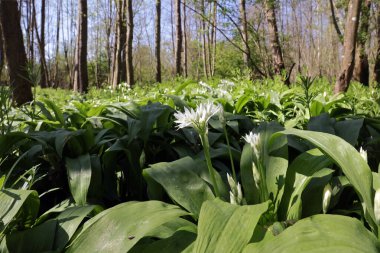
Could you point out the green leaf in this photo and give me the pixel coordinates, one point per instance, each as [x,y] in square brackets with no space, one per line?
[348,159]
[12,201]
[320,234]
[308,165]
[79,173]
[224,227]
[183,181]
[119,228]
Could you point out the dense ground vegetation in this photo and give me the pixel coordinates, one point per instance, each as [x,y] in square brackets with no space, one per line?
[184,166]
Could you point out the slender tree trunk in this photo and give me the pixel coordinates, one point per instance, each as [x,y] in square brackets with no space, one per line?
[204,44]
[80,65]
[15,52]
[56,67]
[185,42]
[244,31]
[44,71]
[213,36]
[377,60]
[334,21]
[129,49]
[361,70]
[1,52]
[158,41]
[119,74]
[278,61]
[178,51]
[350,35]
[41,44]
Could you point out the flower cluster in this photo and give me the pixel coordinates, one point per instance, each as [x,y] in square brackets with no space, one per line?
[198,118]
[254,140]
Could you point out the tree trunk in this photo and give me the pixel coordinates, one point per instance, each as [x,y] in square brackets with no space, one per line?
[1,52]
[204,44]
[80,64]
[244,31]
[350,35]
[185,42]
[278,61]
[158,41]
[129,49]
[361,70]
[377,60]
[119,74]
[178,50]
[15,52]
[41,43]
[56,67]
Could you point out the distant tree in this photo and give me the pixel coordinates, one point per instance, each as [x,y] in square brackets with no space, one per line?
[158,41]
[1,52]
[15,52]
[361,70]
[349,46]
[178,49]
[278,61]
[80,61]
[377,59]
[119,74]
[41,43]
[244,32]
[130,28]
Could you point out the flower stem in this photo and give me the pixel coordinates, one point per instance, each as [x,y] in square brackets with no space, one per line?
[206,149]
[230,153]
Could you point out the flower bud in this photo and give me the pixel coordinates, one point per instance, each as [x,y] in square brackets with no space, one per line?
[256,174]
[363,153]
[377,206]
[327,192]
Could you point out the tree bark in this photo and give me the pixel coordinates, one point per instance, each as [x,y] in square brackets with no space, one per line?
[129,49]
[158,41]
[361,70]
[204,43]
[334,21]
[1,52]
[278,61]
[244,31]
[178,50]
[377,60]
[119,74]
[185,41]
[80,63]
[15,52]
[349,46]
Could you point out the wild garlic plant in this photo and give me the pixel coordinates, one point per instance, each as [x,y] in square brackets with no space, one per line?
[198,119]
[258,169]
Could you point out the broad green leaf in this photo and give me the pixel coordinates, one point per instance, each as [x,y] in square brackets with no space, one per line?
[68,223]
[119,228]
[79,174]
[176,243]
[320,234]
[12,201]
[348,159]
[35,240]
[183,181]
[224,227]
[308,165]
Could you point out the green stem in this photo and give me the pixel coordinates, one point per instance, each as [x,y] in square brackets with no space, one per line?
[206,149]
[263,183]
[230,153]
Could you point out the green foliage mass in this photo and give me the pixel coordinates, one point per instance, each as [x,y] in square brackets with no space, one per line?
[111,172]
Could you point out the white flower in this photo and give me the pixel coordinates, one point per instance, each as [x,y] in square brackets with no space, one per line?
[363,153]
[377,206]
[327,192]
[197,118]
[236,194]
[254,140]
